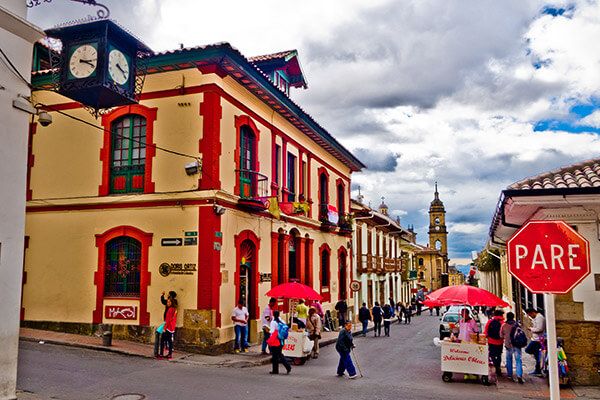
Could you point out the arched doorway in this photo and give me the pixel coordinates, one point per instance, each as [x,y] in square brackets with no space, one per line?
[293,251]
[247,272]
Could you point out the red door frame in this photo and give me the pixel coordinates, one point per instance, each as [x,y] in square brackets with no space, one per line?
[239,239]
[145,240]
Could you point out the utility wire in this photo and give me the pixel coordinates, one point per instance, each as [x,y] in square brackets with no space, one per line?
[103,129]
[18,74]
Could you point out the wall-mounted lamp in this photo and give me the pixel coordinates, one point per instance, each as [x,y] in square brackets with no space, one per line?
[22,103]
[192,168]
[219,210]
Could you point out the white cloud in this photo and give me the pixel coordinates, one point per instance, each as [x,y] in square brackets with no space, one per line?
[592,120]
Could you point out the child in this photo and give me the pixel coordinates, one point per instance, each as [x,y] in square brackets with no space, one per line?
[170,322]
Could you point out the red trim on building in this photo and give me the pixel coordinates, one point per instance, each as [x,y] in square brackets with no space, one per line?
[212,69]
[301,259]
[339,182]
[308,182]
[101,240]
[342,254]
[209,262]
[326,296]
[30,159]
[240,121]
[309,262]
[283,183]
[105,153]
[274,258]
[253,309]
[210,143]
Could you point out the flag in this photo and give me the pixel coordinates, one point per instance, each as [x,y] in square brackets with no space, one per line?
[274,207]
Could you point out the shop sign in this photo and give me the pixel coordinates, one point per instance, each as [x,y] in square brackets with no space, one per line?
[190,233]
[463,357]
[190,241]
[120,312]
[166,269]
[265,277]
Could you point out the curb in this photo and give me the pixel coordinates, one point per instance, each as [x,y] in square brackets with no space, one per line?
[85,346]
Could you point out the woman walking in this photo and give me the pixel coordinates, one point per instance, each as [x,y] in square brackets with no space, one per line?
[387,319]
[313,325]
[276,345]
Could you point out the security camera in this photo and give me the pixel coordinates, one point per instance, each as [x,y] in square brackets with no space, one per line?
[192,168]
[44,118]
[219,210]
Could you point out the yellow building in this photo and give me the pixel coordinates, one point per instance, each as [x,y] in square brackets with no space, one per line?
[117,212]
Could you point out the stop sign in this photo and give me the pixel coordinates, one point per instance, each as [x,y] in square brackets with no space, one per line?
[548,257]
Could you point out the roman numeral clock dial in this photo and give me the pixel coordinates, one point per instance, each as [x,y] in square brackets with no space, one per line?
[83,61]
[118,67]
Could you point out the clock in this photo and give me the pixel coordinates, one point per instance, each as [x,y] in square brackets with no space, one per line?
[118,67]
[437,227]
[437,220]
[83,61]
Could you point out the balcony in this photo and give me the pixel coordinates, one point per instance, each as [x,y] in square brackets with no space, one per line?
[392,265]
[329,217]
[254,189]
[345,224]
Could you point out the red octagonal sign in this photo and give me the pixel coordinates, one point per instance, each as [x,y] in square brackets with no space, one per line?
[548,257]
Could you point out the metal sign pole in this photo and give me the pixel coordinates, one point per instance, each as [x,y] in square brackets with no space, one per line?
[552,347]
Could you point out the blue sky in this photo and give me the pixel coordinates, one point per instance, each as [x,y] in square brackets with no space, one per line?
[474,94]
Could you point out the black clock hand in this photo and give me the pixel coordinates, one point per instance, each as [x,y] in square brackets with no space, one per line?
[88,62]
[121,69]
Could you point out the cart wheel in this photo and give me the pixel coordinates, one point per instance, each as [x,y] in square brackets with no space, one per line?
[485,380]
[447,376]
[298,360]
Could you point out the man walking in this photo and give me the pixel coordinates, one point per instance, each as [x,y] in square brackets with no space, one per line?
[342,308]
[344,346]
[364,316]
[495,340]
[267,317]
[239,316]
[538,330]
[377,317]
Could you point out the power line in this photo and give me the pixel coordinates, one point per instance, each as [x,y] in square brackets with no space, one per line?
[103,129]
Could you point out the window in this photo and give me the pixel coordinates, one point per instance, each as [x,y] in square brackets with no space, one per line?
[303,183]
[325,268]
[122,267]
[323,192]
[277,166]
[420,262]
[128,155]
[248,177]
[291,177]
[438,245]
[340,198]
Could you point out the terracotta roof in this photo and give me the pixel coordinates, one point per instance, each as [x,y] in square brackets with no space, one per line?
[581,175]
[273,56]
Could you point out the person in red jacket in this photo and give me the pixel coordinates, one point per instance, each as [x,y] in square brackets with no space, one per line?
[170,323]
[495,340]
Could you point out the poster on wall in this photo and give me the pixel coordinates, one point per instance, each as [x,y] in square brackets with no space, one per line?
[332,214]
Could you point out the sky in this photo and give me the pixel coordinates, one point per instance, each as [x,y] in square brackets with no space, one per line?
[473,94]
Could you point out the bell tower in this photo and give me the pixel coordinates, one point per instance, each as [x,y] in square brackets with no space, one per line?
[438,235]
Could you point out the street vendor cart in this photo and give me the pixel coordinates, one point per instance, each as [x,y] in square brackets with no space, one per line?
[298,347]
[465,358]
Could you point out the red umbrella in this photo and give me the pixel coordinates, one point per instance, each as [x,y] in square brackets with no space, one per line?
[294,290]
[463,294]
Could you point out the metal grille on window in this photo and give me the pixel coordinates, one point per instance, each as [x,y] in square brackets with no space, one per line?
[128,154]
[122,268]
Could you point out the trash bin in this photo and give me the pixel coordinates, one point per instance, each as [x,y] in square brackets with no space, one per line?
[107,336]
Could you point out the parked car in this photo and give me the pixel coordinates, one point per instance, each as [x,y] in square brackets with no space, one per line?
[447,319]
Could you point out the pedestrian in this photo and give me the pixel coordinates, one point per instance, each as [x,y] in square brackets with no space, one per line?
[169,331]
[495,342]
[437,311]
[161,328]
[301,314]
[239,316]
[276,344]
[387,319]
[399,312]
[420,299]
[314,327]
[267,317]
[344,346]
[364,316]
[377,314]
[538,329]
[392,303]
[507,332]
[342,308]
[408,311]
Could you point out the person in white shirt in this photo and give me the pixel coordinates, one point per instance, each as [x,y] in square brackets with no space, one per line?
[538,330]
[239,316]
[266,318]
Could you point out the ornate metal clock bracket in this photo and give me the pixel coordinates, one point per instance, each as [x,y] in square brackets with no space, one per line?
[102,13]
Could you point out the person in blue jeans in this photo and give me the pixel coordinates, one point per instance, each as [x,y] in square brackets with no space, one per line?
[239,316]
[364,316]
[344,346]
[507,333]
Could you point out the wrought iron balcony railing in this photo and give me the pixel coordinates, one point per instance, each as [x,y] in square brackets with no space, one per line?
[254,188]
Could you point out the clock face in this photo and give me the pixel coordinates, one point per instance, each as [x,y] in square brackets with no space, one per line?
[437,228]
[83,61]
[437,220]
[118,67]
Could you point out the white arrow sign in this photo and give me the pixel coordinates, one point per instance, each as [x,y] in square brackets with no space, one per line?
[171,242]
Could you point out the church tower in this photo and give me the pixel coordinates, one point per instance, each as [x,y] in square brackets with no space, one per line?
[438,235]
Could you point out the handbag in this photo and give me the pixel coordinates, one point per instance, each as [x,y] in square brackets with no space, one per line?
[273,340]
[161,328]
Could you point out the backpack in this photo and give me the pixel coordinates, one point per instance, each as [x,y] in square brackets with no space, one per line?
[518,338]
[494,329]
[282,330]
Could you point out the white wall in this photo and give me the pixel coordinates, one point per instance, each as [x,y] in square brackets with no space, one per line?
[13,164]
[586,290]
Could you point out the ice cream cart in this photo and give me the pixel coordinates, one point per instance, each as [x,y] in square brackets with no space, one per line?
[465,358]
[297,347]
